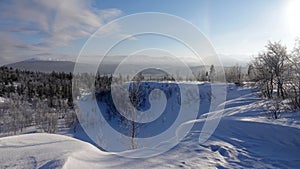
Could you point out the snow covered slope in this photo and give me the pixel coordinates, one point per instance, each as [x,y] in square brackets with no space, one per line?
[245,138]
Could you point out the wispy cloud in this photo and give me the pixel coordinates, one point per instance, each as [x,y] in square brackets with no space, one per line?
[32,25]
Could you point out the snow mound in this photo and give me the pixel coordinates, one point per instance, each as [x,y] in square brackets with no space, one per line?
[42,150]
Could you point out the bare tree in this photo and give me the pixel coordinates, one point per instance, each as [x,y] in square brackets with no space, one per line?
[136,97]
[212,73]
[270,67]
[234,74]
[263,76]
[277,58]
[293,74]
[128,107]
[251,73]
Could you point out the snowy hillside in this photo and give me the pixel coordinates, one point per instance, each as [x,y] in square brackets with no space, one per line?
[245,138]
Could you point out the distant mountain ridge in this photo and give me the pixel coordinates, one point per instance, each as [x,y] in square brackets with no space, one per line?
[106,68]
[44,66]
[68,66]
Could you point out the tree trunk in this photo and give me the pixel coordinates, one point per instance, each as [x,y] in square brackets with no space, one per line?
[271,90]
[132,131]
[132,135]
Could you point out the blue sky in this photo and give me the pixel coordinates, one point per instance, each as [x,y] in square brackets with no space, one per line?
[58,29]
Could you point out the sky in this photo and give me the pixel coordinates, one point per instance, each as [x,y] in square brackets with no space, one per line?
[57,30]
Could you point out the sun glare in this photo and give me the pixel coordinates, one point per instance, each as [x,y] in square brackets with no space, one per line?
[293,16]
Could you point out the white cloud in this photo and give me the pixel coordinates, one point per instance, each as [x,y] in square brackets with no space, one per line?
[48,24]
